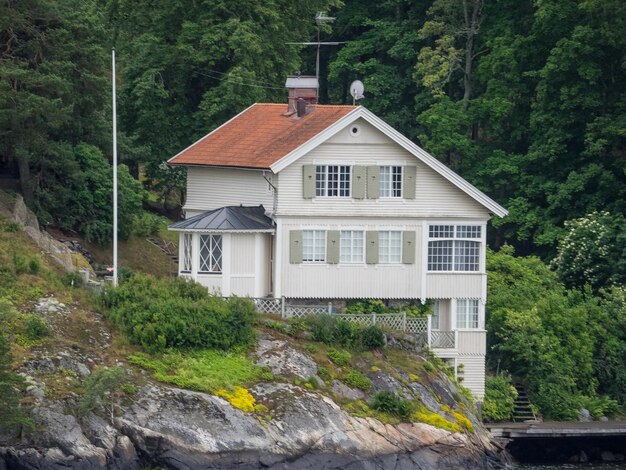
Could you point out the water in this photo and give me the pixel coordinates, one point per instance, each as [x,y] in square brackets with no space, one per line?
[571,466]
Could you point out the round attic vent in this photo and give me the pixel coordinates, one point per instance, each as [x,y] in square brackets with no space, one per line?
[355,130]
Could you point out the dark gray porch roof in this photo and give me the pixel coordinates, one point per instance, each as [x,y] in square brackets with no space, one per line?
[230,218]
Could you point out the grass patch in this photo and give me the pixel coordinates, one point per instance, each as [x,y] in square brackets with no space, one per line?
[204,371]
[356,379]
[339,357]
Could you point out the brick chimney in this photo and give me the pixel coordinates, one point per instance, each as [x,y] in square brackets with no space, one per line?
[303,88]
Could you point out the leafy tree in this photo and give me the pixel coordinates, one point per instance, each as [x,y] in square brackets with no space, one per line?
[593,251]
[102,389]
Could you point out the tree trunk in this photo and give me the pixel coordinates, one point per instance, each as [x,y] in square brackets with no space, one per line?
[26,182]
[471,30]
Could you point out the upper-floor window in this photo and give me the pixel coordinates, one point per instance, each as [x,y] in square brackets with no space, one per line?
[390,181]
[314,246]
[389,246]
[351,246]
[210,254]
[454,247]
[187,252]
[332,180]
[467,313]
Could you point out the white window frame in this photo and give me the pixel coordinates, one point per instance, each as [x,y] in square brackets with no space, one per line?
[313,246]
[333,181]
[352,247]
[435,319]
[450,246]
[391,181]
[212,262]
[467,314]
[385,247]
[187,261]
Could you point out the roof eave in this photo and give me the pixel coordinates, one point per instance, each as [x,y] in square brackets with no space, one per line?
[213,230]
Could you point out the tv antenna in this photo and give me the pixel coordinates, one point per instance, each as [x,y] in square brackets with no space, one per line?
[320,20]
[356,90]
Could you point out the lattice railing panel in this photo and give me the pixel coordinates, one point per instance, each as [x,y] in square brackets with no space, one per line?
[417,325]
[365,320]
[268,305]
[442,339]
[304,310]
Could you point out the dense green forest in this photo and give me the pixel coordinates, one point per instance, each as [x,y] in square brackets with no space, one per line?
[526,99]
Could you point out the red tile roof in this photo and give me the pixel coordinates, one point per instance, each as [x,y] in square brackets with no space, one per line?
[259,137]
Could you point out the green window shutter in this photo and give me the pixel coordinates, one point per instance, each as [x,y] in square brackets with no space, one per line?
[359,175]
[295,246]
[373,182]
[408,182]
[308,181]
[371,247]
[332,246]
[408,247]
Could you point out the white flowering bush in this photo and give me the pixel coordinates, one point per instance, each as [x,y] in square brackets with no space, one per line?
[593,251]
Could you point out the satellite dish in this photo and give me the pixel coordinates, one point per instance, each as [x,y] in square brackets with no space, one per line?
[356,90]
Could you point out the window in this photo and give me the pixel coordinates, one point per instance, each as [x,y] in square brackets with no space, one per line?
[332,180]
[314,246]
[467,313]
[434,320]
[187,253]
[351,246]
[389,247]
[390,181]
[210,254]
[454,247]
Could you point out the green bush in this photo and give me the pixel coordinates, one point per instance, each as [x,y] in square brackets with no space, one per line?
[356,379]
[324,374]
[600,406]
[500,397]
[146,224]
[365,306]
[160,314]
[72,279]
[11,227]
[36,328]
[370,338]
[101,390]
[389,402]
[339,357]
[34,266]
[11,386]
[19,263]
[332,330]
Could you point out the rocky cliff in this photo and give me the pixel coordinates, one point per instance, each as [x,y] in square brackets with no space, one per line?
[168,427]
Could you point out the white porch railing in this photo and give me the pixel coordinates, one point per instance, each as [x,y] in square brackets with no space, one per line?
[396,321]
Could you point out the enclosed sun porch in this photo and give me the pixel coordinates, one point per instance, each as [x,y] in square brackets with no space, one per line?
[227,250]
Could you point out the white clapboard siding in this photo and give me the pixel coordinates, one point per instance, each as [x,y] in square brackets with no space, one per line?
[213,282]
[435,196]
[345,281]
[472,342]
[242,254]
[242,286]
[211,188]
[458,285]
[473,374]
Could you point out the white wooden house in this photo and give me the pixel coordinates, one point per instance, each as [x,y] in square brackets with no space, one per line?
[309,201]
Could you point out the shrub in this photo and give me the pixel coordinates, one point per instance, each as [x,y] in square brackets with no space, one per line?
[19,263]
[72,279]
[332,330]
[599,406]
[339,357]
[159,314]
[500,397]
[11,385]
[36,328]
[34,266]
[365,306]
[389,402]
[146,224]
[370,338]
[101,390]
[428,417]
[356,379]
[11,227]
[324,374]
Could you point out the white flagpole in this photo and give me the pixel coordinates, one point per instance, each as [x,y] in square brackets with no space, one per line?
[114,176]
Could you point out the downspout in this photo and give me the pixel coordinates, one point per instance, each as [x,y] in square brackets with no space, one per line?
[275,199]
